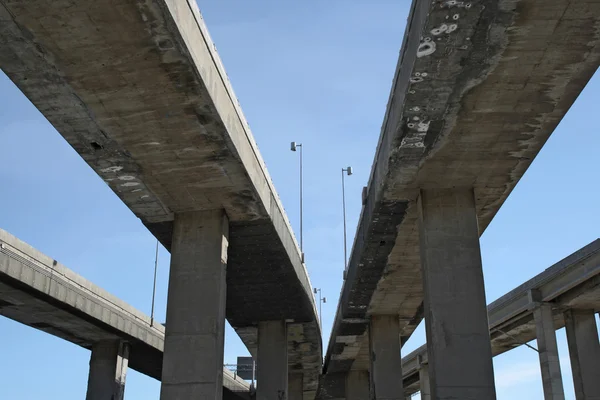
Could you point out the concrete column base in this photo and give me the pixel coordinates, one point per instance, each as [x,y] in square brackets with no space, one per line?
[584,351]
[357,385]
[458,339]
[386,362]
[108,370]
[272,362]
[195,328]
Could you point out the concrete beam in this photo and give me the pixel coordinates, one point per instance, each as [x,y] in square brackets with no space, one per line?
[458,340]
[584,350]
[547,349]
[386,362]
[357,385]
[108,370]
[194,337]
[272,362]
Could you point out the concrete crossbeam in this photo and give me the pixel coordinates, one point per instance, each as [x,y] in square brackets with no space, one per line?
[458,340]
[272,362]
[195,328]
[584,351]
[108,370]
[386,363]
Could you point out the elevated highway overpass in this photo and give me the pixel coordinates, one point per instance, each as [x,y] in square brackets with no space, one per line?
[39,292]
[138,90]
[571,286]
[478,89]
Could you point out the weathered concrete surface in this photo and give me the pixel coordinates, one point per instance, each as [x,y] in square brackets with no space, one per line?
[108,370]
[571,284]
[271,363]
[479,88]
[584,352]
[40,292]
[138,90]
[548,352]
[386,363]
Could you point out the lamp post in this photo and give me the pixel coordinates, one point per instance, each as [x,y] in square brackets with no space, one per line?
[321,301]
[293,147]
[349,172]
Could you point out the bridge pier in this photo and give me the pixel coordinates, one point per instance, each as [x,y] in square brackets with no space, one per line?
[425,388]
[194,337]
[386,362]
[547,348]
[108,369]
[458,339]
[272,361]
[584,351]
[295,386]
[357,385]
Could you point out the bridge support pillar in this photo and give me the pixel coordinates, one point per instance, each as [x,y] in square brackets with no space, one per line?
[584,351]
[108,369]
[357,385]
[424,382]
[296,386]
[386,363]
[458,339]
[547,348]
[272,361]
[195,328]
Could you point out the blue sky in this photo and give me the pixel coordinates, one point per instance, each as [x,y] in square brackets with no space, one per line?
[315,72]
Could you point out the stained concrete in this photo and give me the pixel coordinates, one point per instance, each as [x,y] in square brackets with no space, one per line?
[195,327]
[357,385]
[479,87]
[572,283]
[138,90]
[108,370]
[584,352]
[38,291]
[272,371]
[386,363]
[548,352]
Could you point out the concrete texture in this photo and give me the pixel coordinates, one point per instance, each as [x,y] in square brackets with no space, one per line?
[386,363]
[548,352]
[108,370]
[425,382]
[295,387]
[272,361]
[138,90]
[458,339]
[195,327]
[572,283]
[479,87]
[584,351]
[357,385]
[38,291]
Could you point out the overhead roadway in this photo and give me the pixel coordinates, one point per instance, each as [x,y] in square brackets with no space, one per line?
[39,292]
[139,91]
[572,283]
[478,89]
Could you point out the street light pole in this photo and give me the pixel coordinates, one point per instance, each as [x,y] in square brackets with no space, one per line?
[321,301]
[293,147]
[349,172]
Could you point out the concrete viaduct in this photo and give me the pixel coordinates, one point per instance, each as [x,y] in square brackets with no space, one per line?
[37,291]
[479,87]
[565,295]
[138,90]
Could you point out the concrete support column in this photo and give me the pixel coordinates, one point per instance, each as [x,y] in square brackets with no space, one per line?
[386,363]
[357,385]
[547,349]
[108,369]
[424,382]
[195,328]
[296,386]
[456,322]
[584,350]
[272,361]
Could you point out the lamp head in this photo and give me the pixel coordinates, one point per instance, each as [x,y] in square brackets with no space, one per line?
[293,146]
[315,290]
[349,170]
[324,299]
